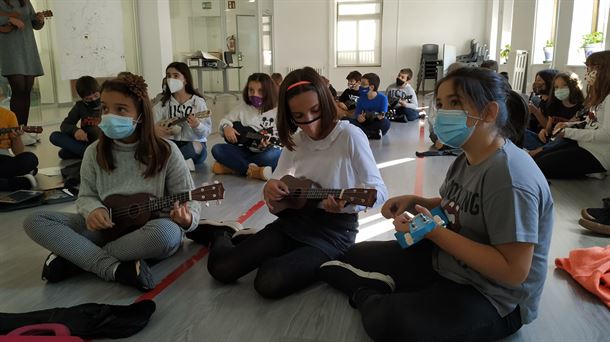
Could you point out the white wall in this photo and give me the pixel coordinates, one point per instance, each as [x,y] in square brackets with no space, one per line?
[155,37]
[304,31]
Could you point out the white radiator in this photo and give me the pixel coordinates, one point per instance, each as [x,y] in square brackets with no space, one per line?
[518,80]
[320,70]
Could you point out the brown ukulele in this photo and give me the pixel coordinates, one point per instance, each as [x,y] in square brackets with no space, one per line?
[130,212]
[173,122]
[27,129]
[6,28]
[302,192]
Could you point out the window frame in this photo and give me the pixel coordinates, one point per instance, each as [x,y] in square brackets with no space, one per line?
[358,18]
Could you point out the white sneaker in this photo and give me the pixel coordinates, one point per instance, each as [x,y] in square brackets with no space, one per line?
[190,164]
[597,175]
[28,139]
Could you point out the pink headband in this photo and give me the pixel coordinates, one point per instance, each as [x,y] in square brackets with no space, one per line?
[297,84]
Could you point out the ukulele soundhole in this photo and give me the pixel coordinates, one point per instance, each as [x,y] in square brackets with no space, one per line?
[134,210]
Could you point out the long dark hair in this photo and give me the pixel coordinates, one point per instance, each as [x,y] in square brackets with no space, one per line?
[600,89]
[518,117]
[481,86]
[286,126]
[188,87]
[547,76]
[571,79]
[152,151]
[269,91]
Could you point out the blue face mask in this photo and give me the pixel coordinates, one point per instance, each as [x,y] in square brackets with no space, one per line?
[450,127]
[363,90]
[117,127]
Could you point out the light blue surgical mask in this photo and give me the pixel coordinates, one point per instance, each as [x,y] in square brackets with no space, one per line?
[117,127]
[562,93]
[450,126]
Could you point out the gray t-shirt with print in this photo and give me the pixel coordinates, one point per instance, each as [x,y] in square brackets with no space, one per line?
[504,199]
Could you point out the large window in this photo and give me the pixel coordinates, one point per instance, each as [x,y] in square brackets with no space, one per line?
[589,16]
[358,39]
[546,16]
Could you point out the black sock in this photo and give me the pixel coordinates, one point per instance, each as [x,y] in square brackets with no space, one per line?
[128,273]
[361,295]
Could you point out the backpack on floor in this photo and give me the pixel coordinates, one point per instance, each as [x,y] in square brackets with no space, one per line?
[89,320]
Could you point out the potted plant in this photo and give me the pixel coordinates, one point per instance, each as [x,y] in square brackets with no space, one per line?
[591,42]
[548,51]
[504,54]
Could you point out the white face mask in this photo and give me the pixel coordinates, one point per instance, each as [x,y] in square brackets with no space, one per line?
[174,85]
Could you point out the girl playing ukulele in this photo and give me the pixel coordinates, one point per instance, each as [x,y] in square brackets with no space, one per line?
[330,152]
[128,158]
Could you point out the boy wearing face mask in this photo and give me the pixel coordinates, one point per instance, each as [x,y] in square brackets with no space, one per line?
[181,101]
[72,139]
[371,108]
[402,97]
[347,101]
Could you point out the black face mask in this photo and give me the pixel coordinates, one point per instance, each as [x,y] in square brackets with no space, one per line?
[93,104]
[307,122]
[399,82]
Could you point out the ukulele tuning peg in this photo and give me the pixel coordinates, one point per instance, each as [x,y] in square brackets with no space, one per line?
[204,183]
[207,204]
[216,182]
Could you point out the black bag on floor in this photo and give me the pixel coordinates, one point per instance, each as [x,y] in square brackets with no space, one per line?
[89,320]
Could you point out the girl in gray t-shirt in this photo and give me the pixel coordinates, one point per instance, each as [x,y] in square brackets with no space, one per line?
[482,276]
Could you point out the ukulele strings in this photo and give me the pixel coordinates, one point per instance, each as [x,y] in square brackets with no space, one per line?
[313,193]
[155,204]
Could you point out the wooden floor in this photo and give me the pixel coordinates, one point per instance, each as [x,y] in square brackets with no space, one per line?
[196,308]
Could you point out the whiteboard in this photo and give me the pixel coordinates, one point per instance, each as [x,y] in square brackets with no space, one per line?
[90,38]
[449,57]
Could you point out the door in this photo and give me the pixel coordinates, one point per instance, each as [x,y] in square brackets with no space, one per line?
[247,47]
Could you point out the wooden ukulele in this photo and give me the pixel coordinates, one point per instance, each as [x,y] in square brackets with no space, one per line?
[248,136]
[302,191]
[8,27]
[27,129]
[130,212]
[173,122]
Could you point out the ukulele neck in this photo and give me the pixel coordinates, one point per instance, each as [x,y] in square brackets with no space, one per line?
[316,194]
[168,201]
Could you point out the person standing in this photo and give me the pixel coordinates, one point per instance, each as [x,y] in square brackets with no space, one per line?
[19,59]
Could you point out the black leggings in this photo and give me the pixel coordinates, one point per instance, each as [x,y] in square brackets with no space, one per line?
[425,306]
[284,265]
[12,167]
[570,161]
[21,88]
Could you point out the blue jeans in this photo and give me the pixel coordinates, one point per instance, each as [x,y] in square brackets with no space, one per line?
[188,151]
[74,148]
[238,157]
[531,140]
[410,113]
[373,125]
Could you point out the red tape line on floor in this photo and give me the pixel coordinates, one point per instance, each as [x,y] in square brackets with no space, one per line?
[419,166]
[185,266]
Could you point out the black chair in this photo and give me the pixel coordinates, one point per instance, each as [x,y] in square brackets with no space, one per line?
[428,65]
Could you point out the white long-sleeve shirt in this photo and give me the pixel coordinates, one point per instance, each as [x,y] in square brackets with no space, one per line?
[595,137]
[175,109]
[342,160]
[250,116]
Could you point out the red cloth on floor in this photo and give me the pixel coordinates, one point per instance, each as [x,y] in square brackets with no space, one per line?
[590,267]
